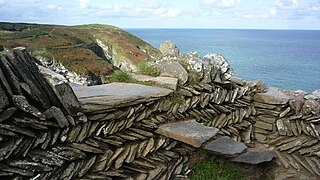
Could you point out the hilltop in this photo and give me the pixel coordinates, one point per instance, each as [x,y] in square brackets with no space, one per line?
[83,49]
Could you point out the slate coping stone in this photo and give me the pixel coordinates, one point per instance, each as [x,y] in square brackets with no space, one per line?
[255,156]
[225,146]
[189,132]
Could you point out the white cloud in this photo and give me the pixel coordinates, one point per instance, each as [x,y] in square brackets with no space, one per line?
[222,3]
[164,12]
[84,3]
[314,8]
[273,11]
[51,6]
[287,4]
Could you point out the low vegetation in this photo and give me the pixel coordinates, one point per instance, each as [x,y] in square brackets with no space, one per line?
[216,170]
[147,69]
[121,76]
[76,47]
[212,167]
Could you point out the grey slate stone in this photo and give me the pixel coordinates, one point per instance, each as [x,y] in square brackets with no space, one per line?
[22,103]
[173,68]
[255,156]
[4,101]
[169,82]
[22,68]
[62,90]
[9,74]
[189,132]
[272,96]
[115,95]
[7,113]
[225,146]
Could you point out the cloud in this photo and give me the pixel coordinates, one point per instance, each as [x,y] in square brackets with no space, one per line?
[222,3]
[84,3]
[169,13]
[287,4]
[273,11]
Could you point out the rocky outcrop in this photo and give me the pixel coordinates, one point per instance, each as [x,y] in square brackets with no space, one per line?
[172,68]
[72,77]
[168,49]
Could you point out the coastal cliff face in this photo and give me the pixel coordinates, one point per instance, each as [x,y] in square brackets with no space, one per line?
[87,52]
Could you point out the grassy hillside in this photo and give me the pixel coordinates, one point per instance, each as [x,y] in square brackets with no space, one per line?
[82,49]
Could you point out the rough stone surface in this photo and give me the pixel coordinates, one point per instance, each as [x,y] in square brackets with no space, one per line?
[189,132]
[173,68]
[168,82]
[95,98]
[258,85]
[255,156]
[4,101]
[220,68]
[225,146]
[169,49]
[62,90]
[272,96]
[316,93]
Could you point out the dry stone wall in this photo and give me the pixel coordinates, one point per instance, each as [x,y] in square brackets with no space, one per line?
[44,133]
[109,131]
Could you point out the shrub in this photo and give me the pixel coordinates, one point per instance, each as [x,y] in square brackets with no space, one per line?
[121,76]
[147,69]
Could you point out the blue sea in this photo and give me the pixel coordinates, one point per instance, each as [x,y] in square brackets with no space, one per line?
[287,59]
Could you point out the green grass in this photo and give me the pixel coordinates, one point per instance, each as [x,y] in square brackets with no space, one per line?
[177,97]
[121,76]
[147,69]
[194,77]
[216,170]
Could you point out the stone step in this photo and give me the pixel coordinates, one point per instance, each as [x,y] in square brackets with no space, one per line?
[189,132]
[225,146]
[255,156]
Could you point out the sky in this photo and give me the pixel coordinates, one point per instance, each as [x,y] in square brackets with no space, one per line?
[233,14]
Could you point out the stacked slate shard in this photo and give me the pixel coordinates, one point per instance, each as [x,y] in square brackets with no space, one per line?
[33,118]
[45,135]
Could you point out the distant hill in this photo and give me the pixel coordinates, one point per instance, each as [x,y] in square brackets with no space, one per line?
[83,49]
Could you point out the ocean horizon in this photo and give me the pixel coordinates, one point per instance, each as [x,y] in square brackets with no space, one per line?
[282,58]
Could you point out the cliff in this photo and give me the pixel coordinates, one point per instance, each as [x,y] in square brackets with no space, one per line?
[87,50]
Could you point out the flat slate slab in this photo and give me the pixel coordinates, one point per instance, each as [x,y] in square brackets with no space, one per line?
[115,95]
[255,156]
[189,132]
[225,146]
[272,96]
[168,82]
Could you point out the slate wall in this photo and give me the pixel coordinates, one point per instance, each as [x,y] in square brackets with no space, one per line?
[44,134]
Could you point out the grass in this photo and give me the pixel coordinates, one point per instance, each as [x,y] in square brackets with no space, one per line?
[216,170]
[121,76]
[194,77]
[213,167]
[177,97]
[147,69]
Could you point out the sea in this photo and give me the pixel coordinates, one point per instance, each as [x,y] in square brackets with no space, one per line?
[287,59]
